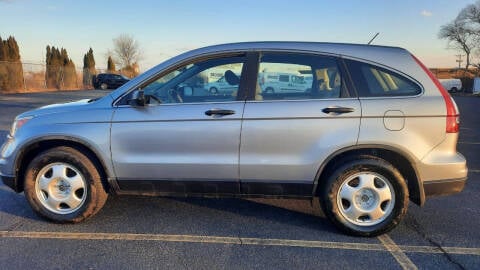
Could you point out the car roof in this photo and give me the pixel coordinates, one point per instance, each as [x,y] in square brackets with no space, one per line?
[294,45]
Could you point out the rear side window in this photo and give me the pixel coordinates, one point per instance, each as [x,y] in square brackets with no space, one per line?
[291,76]
[374,81]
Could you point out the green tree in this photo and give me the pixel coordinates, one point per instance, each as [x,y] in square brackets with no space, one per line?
[88,68]
[110,65]
[60,73]
[11,71]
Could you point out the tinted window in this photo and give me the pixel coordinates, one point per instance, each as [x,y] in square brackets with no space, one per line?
[298,76]
[283,78]
[373,81]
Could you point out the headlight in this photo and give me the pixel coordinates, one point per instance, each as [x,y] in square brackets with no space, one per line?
[18,123]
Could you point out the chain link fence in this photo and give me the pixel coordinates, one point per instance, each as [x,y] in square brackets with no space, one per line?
[36,77]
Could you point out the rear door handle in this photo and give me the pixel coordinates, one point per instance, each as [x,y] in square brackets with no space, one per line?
[219,112]
[337,110]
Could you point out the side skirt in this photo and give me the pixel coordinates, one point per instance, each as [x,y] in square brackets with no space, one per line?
[213,189]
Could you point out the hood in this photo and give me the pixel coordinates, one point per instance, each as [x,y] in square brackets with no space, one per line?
[60,108]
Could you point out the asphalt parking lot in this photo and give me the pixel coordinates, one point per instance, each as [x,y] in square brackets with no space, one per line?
[148,232]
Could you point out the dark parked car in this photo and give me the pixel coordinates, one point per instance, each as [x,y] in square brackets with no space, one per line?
[109,81]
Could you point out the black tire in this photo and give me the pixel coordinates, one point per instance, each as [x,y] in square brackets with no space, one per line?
[92,194]
[213,90]
[383,173]
[454,90]
[103,86]
[270,90]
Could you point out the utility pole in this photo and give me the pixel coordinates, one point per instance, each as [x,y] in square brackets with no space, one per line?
[459,61]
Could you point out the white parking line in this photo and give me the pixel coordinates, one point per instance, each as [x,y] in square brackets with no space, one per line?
[233,241]
[397,253]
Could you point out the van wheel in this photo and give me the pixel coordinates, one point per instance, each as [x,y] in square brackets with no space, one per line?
[64,185]
[213,90]
[365,197]
[269,90]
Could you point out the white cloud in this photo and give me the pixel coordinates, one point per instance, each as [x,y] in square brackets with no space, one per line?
[426,13]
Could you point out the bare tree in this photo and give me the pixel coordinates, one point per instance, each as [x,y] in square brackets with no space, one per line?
[459,36]
[471,14]
[126,50]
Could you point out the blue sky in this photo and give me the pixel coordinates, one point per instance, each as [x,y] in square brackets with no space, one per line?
[167,28]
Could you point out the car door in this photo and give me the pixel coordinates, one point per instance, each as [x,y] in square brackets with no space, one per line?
[286,136]
[186,139]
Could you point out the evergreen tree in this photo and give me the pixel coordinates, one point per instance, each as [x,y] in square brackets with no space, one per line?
[11,71]
[88,68]
[110,65]
[3,53]
[61,73]
[3,66]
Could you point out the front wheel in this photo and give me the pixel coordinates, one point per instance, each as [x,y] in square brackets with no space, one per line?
[64,185]
[103,86]
[365,197]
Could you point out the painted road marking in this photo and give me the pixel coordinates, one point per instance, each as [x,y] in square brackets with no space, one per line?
[397,253]
[232,241]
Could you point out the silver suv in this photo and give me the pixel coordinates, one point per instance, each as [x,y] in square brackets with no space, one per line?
[375,130]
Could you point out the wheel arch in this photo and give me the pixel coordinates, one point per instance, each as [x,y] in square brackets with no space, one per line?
[398,158]
[33,148]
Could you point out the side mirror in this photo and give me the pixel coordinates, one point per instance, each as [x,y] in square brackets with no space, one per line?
[137,99]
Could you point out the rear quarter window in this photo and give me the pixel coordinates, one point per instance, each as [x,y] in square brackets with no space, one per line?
[374,81]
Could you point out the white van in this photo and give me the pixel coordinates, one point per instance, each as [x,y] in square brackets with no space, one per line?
[452,85]
[278,82]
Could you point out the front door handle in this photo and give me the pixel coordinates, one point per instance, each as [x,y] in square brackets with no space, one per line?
[337,110]
[219,112]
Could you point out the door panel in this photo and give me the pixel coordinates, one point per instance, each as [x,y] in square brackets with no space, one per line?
[288,140]
[176,141]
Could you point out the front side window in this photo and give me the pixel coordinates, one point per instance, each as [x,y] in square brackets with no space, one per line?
[198,82]
[298,76]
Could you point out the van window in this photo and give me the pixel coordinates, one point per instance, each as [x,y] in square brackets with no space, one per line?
[373,81]
[298,76]
[283,78]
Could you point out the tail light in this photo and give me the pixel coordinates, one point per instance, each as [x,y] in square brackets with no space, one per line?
[453,118]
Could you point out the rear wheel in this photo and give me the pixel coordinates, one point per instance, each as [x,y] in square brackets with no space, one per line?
[365,197]
[64,185]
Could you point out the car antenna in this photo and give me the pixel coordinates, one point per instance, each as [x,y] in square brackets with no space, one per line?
[373,38]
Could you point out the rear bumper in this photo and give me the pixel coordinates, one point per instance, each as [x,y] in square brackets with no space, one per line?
[444,187]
